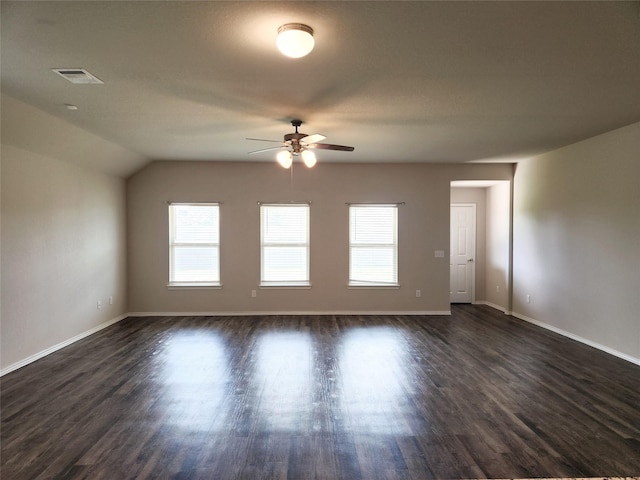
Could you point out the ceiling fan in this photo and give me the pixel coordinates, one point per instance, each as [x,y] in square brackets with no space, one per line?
[296,143]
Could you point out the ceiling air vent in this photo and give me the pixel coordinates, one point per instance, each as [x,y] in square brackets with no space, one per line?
[78,76]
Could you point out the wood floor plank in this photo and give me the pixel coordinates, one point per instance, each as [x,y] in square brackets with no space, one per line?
[477,394]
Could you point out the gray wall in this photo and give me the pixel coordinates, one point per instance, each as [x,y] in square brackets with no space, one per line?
[577,240]
[63,249]
[498,244]
[63,232]
[423,228]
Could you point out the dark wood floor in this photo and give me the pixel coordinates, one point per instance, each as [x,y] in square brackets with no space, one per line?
[475,395]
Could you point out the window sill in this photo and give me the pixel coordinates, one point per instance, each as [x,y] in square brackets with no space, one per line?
[193,286]
[373,286]
[286,285]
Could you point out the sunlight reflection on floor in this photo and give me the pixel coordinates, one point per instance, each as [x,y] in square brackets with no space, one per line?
[195,372]
[283,380]
[372,364]
[279,391]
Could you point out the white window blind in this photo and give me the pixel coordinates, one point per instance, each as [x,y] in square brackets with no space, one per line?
[194,244]
[373,245]
[284,244]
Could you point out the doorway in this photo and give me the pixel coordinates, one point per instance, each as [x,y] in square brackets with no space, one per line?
[491,266]
[463,252]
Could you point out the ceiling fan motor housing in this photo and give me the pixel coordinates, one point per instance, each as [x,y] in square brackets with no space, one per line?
[295,138]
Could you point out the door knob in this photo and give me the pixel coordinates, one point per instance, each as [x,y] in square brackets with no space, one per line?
[470,260]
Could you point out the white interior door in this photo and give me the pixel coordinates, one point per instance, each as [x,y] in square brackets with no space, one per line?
[463,251]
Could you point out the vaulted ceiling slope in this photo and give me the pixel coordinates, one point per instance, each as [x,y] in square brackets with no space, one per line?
[400,81]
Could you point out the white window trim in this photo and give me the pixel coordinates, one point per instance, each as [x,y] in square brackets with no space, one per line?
[286,284]
[194,286]
[190,285]
[373,286]
[357,284]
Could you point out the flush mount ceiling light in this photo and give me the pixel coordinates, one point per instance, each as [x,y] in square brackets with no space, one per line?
[295,40]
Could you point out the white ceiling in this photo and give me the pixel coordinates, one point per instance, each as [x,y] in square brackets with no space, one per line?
[400,81]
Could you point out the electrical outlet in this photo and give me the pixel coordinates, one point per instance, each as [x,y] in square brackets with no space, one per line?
[254,294]
[418,293]
[528,298]
[99,305]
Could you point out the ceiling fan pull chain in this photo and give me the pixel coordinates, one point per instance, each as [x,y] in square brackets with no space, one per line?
[291,168]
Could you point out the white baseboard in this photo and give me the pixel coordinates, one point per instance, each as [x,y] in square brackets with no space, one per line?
[106,324]
[82,335]
[577,338]
[493,305]
[247,314]
[60,345]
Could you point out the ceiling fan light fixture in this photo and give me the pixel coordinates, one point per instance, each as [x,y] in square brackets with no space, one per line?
[295,40]
[285,158]
[309,158]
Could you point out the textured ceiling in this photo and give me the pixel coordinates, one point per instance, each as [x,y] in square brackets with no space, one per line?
[400,81]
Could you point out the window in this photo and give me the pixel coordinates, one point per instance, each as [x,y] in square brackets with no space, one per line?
[373,245]
[194,244]
[284,244]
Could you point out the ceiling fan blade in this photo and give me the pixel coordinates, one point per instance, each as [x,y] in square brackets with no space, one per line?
[268,149]
[263,140]
[315,138]
[328,146]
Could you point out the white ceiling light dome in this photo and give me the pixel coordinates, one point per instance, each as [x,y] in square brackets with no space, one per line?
[285,158]
[295,40]
[309,158]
